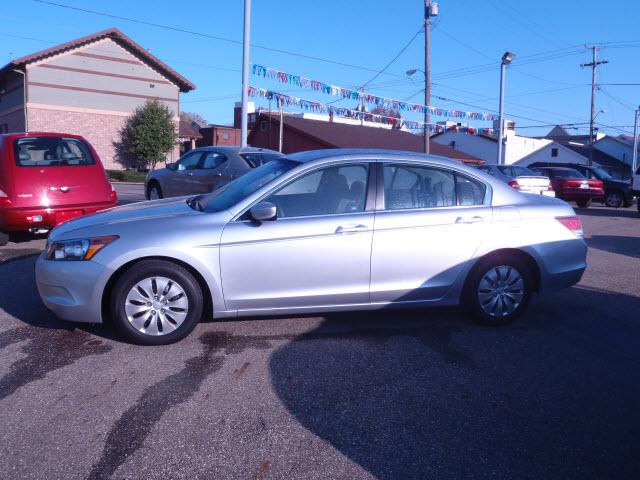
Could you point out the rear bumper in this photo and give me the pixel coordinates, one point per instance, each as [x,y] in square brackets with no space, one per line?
[561,264]
[580,194]
[72,290]
[18,219]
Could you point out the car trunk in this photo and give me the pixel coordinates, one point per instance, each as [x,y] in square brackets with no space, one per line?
[60,186]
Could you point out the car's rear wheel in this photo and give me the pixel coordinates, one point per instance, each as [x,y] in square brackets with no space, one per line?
[156,302]
[583,203]
[613,199]
[154,191]
[4,238]
[498,289]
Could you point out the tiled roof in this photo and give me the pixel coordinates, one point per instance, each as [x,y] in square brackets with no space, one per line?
[344,135]
[118,37]
[187,130]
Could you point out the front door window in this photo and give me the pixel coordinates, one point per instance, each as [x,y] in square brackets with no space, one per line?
[329,191]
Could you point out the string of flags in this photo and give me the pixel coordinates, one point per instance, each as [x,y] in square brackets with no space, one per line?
[283,99]
[356,95]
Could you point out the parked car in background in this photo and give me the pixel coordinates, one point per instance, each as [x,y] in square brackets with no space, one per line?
[204,169]
[48,178]
[635,185]
[573,186]
[617,193]
[297,235]
[520,178]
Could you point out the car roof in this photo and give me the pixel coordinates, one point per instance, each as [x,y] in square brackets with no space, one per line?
[367,153]
[235,149]
[557,168]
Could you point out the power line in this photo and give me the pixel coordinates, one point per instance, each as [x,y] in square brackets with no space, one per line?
[402,50]
[213,37]
[615,99]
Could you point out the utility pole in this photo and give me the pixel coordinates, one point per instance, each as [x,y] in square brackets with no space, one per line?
[430,10]
[280,136]
[593,64]
[634,161]
[245,73]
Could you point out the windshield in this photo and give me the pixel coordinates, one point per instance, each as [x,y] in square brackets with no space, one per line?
[242,187]
[601,173]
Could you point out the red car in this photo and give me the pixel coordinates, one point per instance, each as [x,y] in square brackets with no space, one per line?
[572,186]
[46,179]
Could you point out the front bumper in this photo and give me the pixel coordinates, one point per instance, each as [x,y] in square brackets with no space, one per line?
[17,219]
[72,290]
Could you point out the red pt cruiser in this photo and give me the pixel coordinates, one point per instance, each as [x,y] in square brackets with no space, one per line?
[572,186]
[46,179]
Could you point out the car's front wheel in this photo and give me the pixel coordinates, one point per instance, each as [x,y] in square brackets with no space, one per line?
[498,289]
[154,192]
[613,199]
[156,302]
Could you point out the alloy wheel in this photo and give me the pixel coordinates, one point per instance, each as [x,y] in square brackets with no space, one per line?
[154,193]
[613,199]
[156,306]
[501,291]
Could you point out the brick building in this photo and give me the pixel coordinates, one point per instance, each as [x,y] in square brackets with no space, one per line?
[88,87]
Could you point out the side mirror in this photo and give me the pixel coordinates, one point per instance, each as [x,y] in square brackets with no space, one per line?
[264,211]
[172,166]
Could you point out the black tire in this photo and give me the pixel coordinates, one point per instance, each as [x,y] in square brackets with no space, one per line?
[584,203]
[154,185]
[148,269]
[614,199]
[4,238]
[471,296]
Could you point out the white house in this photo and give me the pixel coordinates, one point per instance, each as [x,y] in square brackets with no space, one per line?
[554,153]
[620,148]
[485,147]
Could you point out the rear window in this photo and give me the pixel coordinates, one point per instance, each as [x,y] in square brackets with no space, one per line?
[256,159]
[566,173]
[52,152]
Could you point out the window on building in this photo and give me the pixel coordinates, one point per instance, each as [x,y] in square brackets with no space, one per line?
[554,152]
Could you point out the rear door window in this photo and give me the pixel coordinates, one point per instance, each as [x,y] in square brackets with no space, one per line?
[52,152]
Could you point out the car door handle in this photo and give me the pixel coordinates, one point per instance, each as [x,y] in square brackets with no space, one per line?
[351,228]
[474,219]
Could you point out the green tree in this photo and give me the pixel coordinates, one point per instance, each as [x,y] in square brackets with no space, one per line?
[148,136]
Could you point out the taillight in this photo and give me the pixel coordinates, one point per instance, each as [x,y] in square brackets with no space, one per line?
[113,196]
[573,223]
[550,188]
[4,199]
[514,184]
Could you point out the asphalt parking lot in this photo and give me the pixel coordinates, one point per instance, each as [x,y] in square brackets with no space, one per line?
[390,395]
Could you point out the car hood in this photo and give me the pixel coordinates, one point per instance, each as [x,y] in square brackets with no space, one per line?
[137,212]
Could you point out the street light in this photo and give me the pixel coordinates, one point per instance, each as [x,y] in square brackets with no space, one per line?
[409,73]
[507,58]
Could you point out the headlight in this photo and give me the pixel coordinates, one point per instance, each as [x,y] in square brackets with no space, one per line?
[81,249]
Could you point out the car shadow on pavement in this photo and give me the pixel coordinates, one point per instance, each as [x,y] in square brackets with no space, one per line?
[629,246]
[428,394]
[19,298]
[630,212]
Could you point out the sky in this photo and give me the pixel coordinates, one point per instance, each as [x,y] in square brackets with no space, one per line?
[351,41]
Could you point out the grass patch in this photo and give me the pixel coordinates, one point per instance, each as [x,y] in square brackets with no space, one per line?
[126,176]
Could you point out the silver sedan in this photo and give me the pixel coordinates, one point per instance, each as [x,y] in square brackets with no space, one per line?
[318,231]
